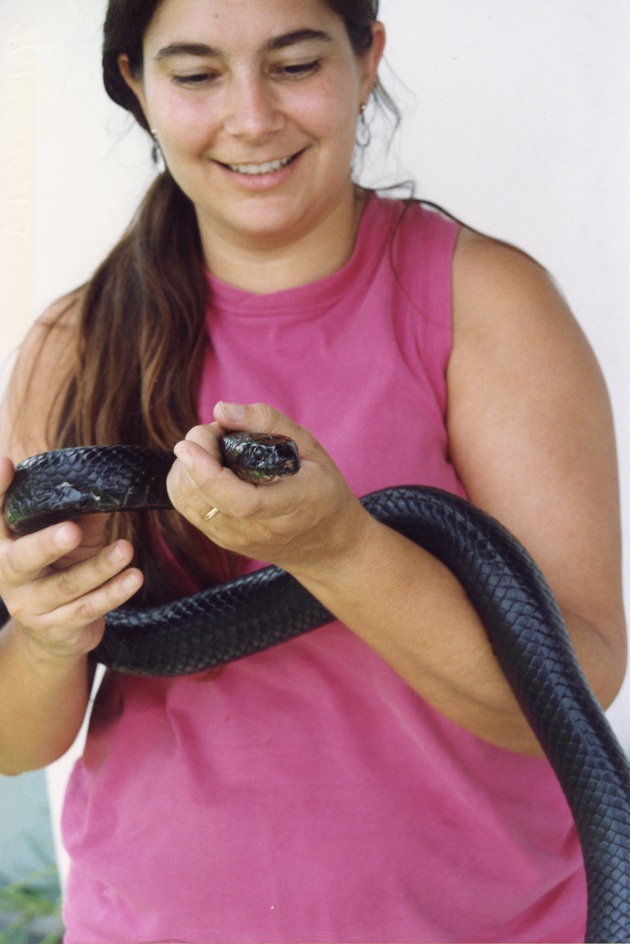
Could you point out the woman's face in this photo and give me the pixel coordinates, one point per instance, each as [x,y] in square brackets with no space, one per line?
[255,104]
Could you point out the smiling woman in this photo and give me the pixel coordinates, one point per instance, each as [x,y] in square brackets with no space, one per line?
[252,127]
[279,800]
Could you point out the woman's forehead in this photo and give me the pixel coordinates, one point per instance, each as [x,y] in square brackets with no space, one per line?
[238,20]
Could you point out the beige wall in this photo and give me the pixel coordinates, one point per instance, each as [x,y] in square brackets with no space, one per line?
[18,117]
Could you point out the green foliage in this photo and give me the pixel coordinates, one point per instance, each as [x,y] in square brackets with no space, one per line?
[30,909]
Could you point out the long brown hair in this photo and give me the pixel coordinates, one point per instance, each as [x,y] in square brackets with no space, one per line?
[137,366]
[141,335]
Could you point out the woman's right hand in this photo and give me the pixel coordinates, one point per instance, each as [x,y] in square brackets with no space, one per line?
[59,583]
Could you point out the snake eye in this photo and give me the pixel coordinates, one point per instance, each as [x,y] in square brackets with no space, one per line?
[257,456]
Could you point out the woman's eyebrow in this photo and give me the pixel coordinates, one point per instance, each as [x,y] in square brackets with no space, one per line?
[277,42]
[298,36]
[185,49]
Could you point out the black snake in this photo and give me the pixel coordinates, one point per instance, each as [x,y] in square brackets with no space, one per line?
[268,607]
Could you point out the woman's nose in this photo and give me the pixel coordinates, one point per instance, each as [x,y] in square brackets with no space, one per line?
[252,108]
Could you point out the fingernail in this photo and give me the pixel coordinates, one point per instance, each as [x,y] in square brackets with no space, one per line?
[132,581]
[183,455]
[64,535]
[232,411]
[117,554]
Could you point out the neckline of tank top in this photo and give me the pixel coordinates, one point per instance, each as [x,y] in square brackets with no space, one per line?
[380,215]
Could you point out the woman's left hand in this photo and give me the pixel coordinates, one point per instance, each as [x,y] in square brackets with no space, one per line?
[296,522]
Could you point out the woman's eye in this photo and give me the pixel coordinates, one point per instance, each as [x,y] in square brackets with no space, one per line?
[193,80]
[298,70]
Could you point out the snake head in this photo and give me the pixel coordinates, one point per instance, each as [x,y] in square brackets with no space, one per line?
[259,457]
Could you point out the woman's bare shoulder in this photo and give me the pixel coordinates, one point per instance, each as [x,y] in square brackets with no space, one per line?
[492,276]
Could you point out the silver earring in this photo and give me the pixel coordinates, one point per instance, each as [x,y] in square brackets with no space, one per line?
[157,155]
[364,134]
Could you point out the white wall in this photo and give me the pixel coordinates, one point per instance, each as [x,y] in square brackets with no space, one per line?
[517,120]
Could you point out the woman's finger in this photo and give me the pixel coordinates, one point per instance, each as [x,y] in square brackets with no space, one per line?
[23,559]
[263,418]
[199,482]
[81,611]
[60,587]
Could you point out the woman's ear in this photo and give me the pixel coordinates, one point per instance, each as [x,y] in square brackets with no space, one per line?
[135,84]
[378,41]
[372,59]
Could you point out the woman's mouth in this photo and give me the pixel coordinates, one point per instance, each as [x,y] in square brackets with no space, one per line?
[257,170]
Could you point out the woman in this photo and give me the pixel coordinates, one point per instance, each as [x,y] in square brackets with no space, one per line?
[374,780]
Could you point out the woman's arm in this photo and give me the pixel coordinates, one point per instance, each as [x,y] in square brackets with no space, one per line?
[531,437]
[57,584]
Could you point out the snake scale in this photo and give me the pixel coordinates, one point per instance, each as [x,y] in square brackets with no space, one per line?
[268,607]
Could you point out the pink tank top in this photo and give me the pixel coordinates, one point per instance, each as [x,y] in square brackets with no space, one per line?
[307,794]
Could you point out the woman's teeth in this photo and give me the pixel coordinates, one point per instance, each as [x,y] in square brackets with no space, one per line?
[256,169]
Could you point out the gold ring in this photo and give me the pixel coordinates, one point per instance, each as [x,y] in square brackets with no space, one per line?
[210,514]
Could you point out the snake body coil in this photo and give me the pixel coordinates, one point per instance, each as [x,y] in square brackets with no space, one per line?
[268,607]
